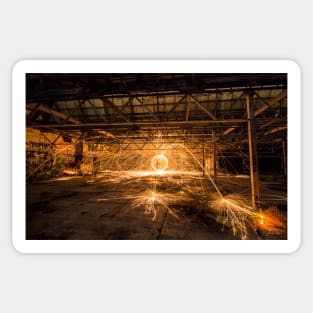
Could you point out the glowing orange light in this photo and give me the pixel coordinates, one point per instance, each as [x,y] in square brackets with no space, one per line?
[159,163]
[272,220]
[261,219]
[69,171]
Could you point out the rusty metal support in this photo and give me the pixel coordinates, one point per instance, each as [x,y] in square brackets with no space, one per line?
[56,139]
[203,159]
[214,158]
[79,146]
[187,111]
[155,117]
[275,100]
[113,107]
[185,97]
[253,157]
[203,108]
[275,130]
[55,113]
[61,116]
[284,157]
[146,123]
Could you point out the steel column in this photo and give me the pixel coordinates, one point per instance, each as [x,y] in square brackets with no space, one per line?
[214,157]
[203,159]
[284,157]
[78,154]
[253,157]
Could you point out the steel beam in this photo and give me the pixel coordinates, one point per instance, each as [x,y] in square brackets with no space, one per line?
[152,123]
[55,113]
[147,109]
[284,157]
[187,111]
[203,108]
[275,100]
[65,118]
[253,157]
[78,154]
[175,105]
[203,159]
[112,106]
[214,158]
[229,130]
[275,130]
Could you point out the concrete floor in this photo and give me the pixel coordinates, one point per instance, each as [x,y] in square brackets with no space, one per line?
[102,207]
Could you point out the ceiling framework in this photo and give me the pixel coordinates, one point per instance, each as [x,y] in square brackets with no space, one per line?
[142,111]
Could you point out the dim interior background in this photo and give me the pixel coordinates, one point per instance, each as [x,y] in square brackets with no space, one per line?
[154,283]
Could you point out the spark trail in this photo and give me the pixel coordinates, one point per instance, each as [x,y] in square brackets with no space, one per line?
[232,210]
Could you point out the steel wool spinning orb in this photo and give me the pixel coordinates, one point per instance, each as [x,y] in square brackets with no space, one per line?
[159,163]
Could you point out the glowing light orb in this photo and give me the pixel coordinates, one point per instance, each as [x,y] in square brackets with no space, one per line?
[159,163]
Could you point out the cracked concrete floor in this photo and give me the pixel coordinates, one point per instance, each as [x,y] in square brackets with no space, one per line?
[101,208]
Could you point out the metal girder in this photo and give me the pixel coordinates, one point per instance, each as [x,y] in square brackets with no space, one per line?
[147,124]
[107,102]
[147,109]
[267,124]
[55,113]
[187,111]
[214,158]
[253,158]
[33,112]
[128,102]
[57,138]
[176,105]
[284,157]
[229,130]
[275,100]
[203,108]
[46,138]
[275,130]
[105,133]
[66,118]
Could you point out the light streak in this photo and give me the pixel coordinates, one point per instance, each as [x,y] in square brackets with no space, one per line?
[234,211]
[203,169]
